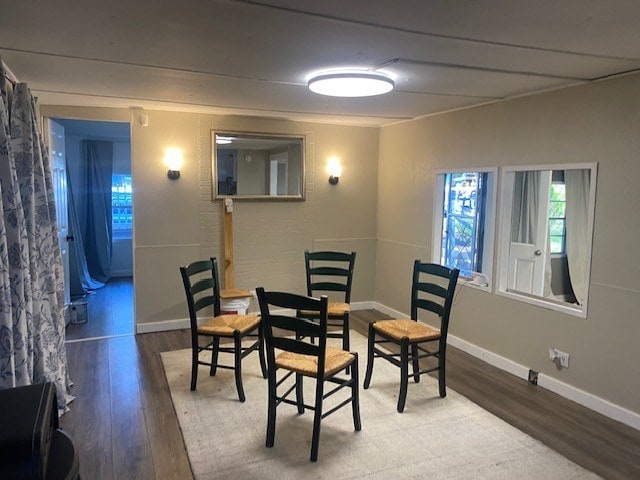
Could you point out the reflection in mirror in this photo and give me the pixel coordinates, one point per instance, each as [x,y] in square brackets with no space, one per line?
[253,165]
[547,231]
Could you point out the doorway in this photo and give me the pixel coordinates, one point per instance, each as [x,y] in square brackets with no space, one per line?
[98,244]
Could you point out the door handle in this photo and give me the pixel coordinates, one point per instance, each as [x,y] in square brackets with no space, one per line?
[537,253]
[70,238]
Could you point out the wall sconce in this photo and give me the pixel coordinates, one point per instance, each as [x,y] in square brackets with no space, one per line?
[334,169]
[173,159]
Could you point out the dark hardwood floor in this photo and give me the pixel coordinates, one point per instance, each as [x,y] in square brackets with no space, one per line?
[109,311]
[124,425]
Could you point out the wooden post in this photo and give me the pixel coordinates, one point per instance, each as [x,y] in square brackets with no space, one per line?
[227,209]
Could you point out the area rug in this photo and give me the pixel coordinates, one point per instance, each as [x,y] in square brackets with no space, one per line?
[450,438]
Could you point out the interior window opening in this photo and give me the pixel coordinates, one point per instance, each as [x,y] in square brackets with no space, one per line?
[464,223]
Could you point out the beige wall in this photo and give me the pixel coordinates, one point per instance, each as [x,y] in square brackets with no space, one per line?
[382,208]
[176,222]
[252,176]
[594,123]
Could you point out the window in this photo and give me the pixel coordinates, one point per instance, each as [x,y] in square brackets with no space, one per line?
[121,206]
[557,220]
[464,218]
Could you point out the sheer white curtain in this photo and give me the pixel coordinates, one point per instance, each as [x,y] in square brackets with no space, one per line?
[524,216]
[577,186]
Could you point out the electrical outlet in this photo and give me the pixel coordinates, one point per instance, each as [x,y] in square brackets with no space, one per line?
[563,359]
[559,357]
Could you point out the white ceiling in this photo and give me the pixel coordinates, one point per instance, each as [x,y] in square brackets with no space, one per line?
[246,57]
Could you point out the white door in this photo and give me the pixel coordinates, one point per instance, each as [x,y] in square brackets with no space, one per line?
[278,173]
[527,261]
[273,177]
[59,171]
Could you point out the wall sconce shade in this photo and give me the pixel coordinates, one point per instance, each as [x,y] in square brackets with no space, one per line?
[334,169]
[173,159]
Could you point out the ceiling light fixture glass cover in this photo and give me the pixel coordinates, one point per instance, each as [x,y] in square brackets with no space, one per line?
[351,84]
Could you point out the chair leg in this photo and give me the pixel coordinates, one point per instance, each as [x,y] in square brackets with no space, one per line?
[416,363]
[215,345]
[404,373]
[345,333]
[237,350]
[263,363]
[299,393]
[345,337]
[315,439]
[271,412]
[370,356]
[442,384]
[355,395]
[194,365]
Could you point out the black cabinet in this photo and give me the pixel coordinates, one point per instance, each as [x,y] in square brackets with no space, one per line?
[32,446]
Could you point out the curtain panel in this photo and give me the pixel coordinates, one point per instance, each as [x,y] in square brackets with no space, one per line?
[90,218]
[32,323]
[578,185]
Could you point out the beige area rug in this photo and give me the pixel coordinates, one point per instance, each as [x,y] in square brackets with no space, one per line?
[450,438]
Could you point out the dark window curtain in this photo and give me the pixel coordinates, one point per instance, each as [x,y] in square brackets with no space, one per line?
[80,281]
[90,212]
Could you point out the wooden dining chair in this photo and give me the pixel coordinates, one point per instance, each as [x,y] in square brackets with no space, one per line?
[331,272]
[202,288]
[434,294]
[301,358]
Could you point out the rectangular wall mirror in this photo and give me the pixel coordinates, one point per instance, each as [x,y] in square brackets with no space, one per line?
[258,166]
[546,235]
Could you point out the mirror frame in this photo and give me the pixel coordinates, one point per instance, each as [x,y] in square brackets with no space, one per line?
[502,257]
[264,197]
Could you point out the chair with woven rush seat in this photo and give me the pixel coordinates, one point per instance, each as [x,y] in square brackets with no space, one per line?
[434,295]
[202,288]
[331,272]
[304,359]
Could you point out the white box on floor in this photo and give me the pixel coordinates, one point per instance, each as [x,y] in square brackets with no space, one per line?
[78,312]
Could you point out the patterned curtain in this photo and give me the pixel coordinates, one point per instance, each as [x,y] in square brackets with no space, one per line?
[32,335]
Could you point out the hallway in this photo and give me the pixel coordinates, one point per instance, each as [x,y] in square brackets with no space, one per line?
[109,312]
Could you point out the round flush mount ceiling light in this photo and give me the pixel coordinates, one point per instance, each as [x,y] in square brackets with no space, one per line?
[351,84]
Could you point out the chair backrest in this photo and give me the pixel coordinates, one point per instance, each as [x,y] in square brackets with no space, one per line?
[435,292]
[202,288]
[278,327]
[329,272]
